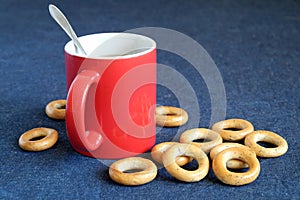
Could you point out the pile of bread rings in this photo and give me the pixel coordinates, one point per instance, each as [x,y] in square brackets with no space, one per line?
[173,155]
[224,155]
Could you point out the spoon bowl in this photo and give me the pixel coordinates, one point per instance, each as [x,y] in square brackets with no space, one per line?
[62,21]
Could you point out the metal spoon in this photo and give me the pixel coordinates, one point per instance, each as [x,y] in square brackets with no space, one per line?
[59,17]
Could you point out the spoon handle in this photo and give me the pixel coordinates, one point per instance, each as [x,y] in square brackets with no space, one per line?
[59,17]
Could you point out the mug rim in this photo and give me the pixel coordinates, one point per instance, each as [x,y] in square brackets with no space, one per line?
[69,47]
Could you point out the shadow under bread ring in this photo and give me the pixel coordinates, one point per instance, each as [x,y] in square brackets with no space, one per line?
[170,116]
[38,139]
[233,129]
[56,109]
[235,178]
[145,171]
[190,150]
[269,137]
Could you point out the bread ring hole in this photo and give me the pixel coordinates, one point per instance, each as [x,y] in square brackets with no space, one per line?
[232,129]
[237,170]
[133,170]
[170,114]
[60,106]
[267,144]
[201,140]
[241,170]
[132,167]
[191,166]
[37,138]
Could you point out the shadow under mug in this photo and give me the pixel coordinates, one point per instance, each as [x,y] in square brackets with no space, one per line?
[111,100]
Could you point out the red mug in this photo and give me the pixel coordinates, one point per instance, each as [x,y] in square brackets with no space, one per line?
[111,101]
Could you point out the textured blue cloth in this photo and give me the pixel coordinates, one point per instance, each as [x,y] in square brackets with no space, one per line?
[255,44]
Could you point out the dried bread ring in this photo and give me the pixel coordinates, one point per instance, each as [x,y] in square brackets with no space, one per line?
[48,138]
[56,109]
[232,164]
[146,171]
[158,150]
[243,128]
[235,178]
[211,138]
[269,137]
[169,161]
[169,116]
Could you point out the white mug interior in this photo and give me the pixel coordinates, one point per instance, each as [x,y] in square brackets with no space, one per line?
[112,45]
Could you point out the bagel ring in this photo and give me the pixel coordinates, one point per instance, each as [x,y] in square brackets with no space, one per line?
[56,109]
[266,136]
[50,137]
[213,138]
[147,171]
[158,150]
[169,116]
[234,178]
[232,164]
[243,128]
[169,161]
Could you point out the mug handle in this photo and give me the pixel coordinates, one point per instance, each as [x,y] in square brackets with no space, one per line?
[83,90]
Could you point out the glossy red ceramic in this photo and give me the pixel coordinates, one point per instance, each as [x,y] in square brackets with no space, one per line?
[111,99]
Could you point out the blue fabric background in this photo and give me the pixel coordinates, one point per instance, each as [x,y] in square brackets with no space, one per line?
[255,44]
